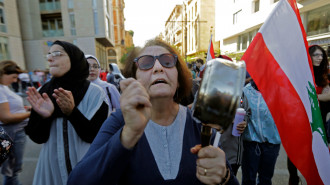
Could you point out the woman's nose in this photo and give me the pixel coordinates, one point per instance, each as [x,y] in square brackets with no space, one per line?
[157,67]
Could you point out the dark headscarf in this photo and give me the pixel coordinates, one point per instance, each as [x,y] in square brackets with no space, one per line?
[75,80]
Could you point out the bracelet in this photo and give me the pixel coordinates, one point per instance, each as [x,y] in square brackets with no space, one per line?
[227,177]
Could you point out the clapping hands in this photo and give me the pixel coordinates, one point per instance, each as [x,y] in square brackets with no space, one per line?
[43,105]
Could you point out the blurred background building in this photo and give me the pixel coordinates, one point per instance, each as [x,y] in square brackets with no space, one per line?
[11,46]
[234,23]
[189,26]
[238,21]
[29,27]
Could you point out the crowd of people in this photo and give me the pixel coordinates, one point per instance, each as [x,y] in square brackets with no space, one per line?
[92,133]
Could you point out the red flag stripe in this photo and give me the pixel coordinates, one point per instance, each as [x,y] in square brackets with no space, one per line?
[285,104]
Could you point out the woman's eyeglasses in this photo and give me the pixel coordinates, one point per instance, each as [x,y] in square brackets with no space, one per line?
[146,62]
[94,66]
[317,55]
[54,54]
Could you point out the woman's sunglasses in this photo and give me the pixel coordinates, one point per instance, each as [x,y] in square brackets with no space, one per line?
[146,62]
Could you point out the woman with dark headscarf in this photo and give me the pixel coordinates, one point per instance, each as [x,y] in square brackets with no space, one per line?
[67,113]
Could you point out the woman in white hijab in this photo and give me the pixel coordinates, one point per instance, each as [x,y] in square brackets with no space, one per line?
[109,89]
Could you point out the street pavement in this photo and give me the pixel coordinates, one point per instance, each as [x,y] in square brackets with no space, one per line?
[32,151]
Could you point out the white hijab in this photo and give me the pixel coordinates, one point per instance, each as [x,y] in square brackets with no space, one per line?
[98,81]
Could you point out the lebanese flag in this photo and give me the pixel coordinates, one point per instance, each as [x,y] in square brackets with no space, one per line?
[210,51]
[278,61]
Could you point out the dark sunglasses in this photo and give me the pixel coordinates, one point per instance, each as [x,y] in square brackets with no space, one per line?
[146,62]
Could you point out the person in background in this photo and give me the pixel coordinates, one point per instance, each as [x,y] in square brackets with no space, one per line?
[67,113]
[190,67]
[13,118]
[320,69]
[15,86]
[103,74]
[41,76]
[25,80]
[35,79]
[233,145]
[152,139]
[110,90]
[111,76]
[261,141]
[200,66]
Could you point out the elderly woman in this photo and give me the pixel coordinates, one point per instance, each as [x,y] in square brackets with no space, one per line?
[109,89]
[68,111]
[153,139]
[13,118]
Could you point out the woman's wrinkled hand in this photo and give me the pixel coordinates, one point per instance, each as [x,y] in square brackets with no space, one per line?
[40,103]
[211,164]
[64,100]
[136,108]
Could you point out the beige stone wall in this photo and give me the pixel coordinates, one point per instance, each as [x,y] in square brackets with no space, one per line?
[13,33]
[34,55]
[16,51]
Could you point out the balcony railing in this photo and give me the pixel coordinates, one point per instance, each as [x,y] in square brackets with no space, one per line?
[50,6]
[52,33]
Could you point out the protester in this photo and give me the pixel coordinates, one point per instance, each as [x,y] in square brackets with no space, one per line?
[152,139]
[35,79]
[111,76]
[13,118]
[233,145]
[190,67]
[110,90]
[103,74]
[320,68]
[67,114]
[261,141]
[25,80]
[200,67]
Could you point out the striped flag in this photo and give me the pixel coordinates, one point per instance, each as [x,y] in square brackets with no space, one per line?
[210,51]
[278,61]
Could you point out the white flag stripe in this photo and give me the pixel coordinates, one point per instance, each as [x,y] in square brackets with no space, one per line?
[278,36]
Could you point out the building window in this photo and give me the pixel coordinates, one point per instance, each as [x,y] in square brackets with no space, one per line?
[255,6]
[70,4]
[112,52]
[236,16]
[318,21]
[2,20]
[72,24]
[245,40]
[52,27]
[4,51]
